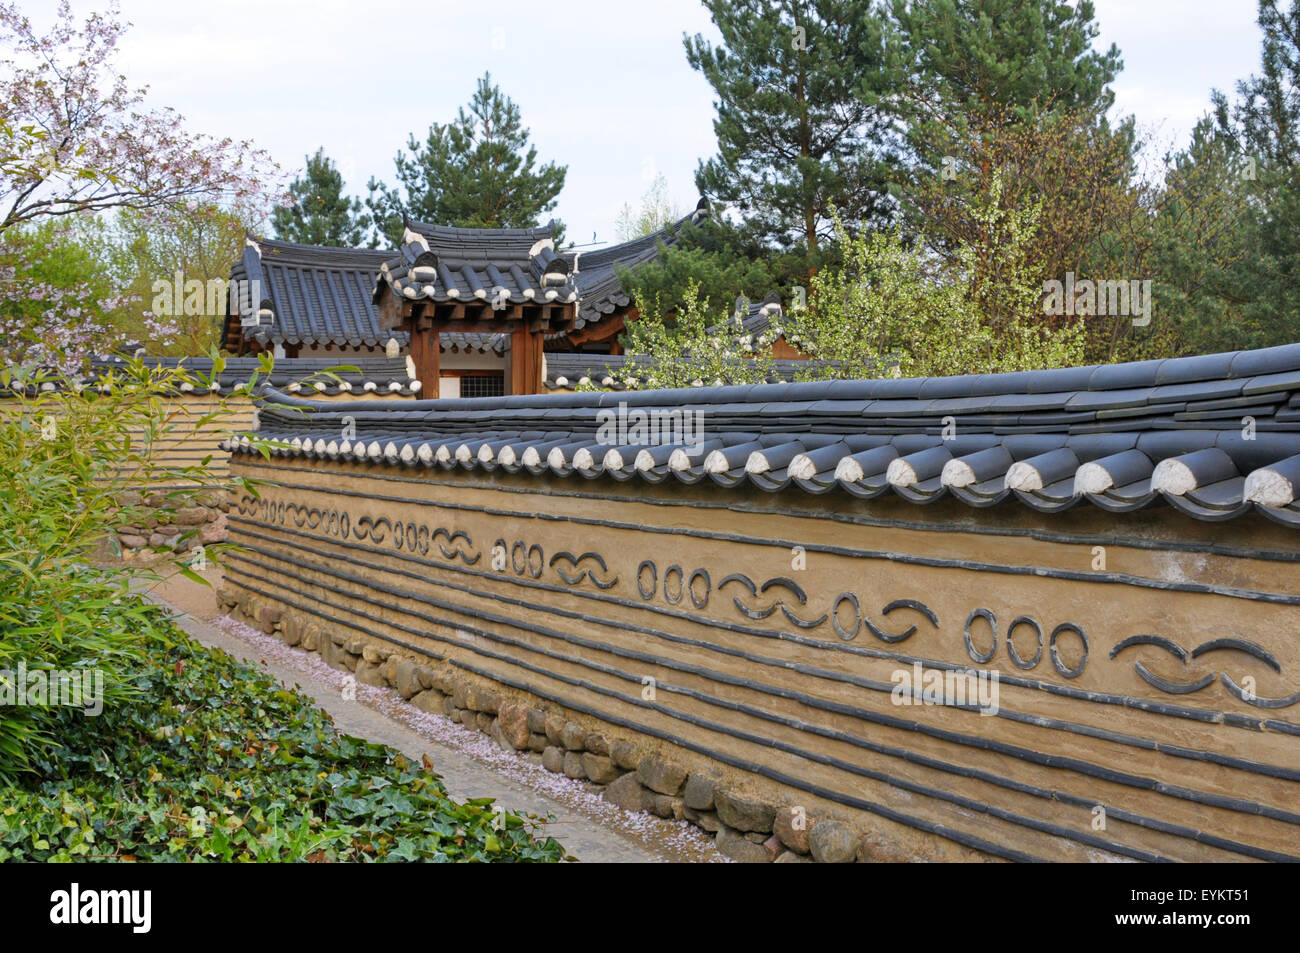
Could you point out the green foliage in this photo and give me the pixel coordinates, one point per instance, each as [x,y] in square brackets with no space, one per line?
[694,346]
[477,172]
[887,311]
[185,755]
[1204,242]
[800,123]
[214,761]
[1264,129]
[1012,88]
[317,212]
[657,211]
[1226,234]
[720,263]
[74,465]
[895,310]
[55,255]
[997,60]
[144,251]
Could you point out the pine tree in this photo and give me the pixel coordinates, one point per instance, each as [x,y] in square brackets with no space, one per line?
[1011,89]
[1000,60]
[978,70]
[1265,128]
[800,122]
[318,213]
[982,70]
[1247,299]
[476,172]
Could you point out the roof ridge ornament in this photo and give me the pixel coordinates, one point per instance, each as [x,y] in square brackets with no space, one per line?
[701,211]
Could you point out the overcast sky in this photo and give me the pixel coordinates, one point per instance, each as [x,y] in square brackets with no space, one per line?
[603,84]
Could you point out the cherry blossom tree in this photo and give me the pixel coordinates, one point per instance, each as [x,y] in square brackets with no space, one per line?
[77,140]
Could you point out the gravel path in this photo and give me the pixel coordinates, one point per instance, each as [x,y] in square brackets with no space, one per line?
[470,763]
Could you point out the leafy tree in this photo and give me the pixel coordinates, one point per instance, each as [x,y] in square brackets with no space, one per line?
[479,172]
[897,309]
[1009,86]
[76,141]
[317,212]
[56,299]
[84,140]
[657,211]
[695,347]
[140,248]
[800,121]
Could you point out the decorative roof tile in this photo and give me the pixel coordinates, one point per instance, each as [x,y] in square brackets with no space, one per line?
[1011,439]
[331,376]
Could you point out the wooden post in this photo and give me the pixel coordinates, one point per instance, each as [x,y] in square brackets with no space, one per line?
[526,361]
[425,357]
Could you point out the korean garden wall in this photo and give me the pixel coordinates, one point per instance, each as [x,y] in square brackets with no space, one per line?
[187,439]
[736,658]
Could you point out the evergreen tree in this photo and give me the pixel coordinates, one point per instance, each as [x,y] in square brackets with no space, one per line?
[998,61]
[984,70]
[476,172]
[1014,89]
[1265,129]
[318,213]
[709,259]
[1205,242]
[799,87]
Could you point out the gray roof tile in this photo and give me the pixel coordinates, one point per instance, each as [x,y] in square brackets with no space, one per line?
[1121,446]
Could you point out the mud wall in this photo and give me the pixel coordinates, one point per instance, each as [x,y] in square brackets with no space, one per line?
[806,654]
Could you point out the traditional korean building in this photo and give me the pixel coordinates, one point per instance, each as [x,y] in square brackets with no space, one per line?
[477,310]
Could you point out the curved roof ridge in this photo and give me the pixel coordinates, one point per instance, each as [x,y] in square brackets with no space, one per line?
[334,253]
[429,230]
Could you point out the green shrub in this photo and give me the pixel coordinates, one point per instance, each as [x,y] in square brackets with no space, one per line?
[213,760]
[76,462]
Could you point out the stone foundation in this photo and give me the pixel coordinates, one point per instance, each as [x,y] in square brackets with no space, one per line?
[748,825]
[173,528]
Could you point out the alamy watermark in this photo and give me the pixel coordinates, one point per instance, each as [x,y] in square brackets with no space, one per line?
[1102,298]
[655,427]
[949,687]
[40,687]
[78,905]
[213,298]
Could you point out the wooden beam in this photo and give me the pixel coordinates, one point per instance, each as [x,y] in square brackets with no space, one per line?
[425,357]
[607,328]
[525,362]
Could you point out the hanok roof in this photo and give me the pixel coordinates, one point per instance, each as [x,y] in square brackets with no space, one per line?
[496,265]
[506,266]
[595,273]
[756,318]
[606,370]
[1215,436]
[309,295]
[761,315]
[314,295]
